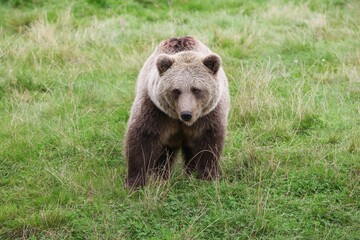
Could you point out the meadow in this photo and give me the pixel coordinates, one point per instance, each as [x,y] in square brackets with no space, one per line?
[291,164]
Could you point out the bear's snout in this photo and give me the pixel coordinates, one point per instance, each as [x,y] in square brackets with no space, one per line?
[186,115]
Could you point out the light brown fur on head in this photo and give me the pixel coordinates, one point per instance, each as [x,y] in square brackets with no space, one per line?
[182,102]
[186,82]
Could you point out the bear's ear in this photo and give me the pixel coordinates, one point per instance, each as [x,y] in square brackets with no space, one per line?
[164,62]
[212,62]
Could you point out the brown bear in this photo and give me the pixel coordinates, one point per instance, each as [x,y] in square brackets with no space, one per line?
[182,102]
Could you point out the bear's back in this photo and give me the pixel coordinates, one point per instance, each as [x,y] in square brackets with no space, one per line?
[188,43]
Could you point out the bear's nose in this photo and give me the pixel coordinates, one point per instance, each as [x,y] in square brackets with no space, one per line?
[186,115]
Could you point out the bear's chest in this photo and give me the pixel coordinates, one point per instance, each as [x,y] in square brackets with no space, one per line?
[178,135]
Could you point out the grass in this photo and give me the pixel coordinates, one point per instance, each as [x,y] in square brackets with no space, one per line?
[291,165]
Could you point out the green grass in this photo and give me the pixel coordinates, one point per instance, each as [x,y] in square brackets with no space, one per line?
[291,165]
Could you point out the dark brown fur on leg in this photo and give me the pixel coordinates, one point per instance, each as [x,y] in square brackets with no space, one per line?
[162,168]
[141,152]
[208,165]
[144,151]
[189,160]
[207,153]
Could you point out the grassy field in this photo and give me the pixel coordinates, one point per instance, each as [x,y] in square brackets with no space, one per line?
[291,165]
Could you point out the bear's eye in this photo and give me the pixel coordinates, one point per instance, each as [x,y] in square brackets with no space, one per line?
[176,92]
[195,90]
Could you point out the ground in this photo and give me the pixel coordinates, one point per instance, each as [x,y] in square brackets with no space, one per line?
[291,165]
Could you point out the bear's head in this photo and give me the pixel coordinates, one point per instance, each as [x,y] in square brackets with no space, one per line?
[186,85]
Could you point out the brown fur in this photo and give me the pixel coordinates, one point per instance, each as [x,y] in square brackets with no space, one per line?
[155,136]
[175,45]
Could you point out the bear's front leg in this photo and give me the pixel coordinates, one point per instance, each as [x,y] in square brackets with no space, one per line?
[207,150]
[142,150]
[164,162]
[190,160]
